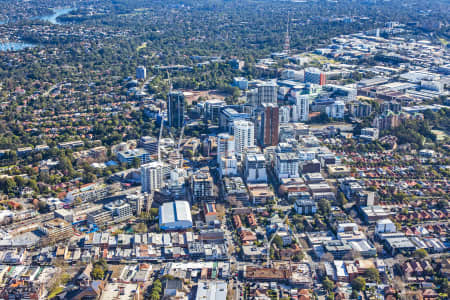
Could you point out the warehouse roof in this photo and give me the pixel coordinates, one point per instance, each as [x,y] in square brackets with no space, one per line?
[175,211]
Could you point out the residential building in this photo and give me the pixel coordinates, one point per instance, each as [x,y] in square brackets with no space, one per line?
[268,125]
[370,134]
[120,210]
[267,93]
[284,114]
[286,165]
[209,212]
[56,230]
[301,108]
[225,145]
[99,217]
[360,109]
[385,226]
[387,121]
[255,167]
[305,206]
[152,176]
[202,186]
[176,109]
[336,110]
[244,136]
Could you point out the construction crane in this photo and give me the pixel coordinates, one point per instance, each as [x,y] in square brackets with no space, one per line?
[159,139]
[273,236]
[162,120]
[180,155]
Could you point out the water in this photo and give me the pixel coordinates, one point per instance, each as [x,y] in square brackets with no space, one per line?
[17,46]
[57,12]
[14,46]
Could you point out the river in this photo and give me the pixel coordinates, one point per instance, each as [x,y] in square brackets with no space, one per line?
[54,17]
[17,46]
[14,46]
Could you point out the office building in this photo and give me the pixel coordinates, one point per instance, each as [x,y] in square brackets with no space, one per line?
[150,144]
[314,75]
[212,110]
[128,156]
[385,226]
[244,136]
[141,73]
[240,82]
[152,176]
[269,125]
[175,109]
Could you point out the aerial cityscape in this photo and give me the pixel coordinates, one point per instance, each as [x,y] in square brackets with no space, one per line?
[224,149]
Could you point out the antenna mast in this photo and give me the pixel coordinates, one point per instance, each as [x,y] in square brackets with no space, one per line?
[287,43]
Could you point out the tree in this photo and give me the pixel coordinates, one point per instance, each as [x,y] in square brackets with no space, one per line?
[341,199]
[98,273]
[421,253]
[328,284]
[324,206]
[358,283]
[372,275]
[277,240]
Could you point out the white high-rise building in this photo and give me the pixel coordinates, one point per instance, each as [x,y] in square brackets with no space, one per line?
[301,108]
[244,136]
[225,146]
[284,112]
[152,176]
[267,93]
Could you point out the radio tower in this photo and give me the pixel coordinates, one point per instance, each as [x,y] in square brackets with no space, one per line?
[287,43]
